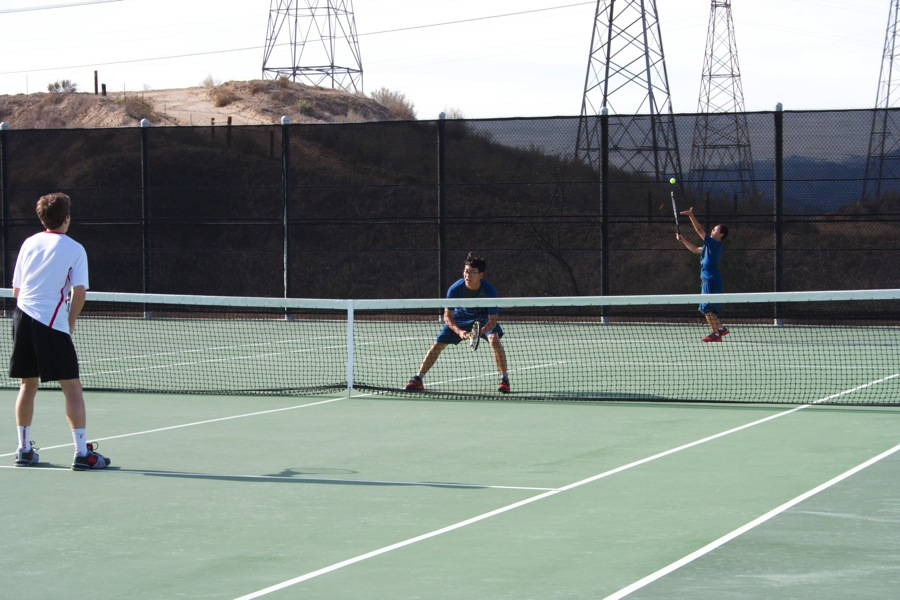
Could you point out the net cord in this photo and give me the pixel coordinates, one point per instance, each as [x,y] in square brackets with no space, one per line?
[508,302]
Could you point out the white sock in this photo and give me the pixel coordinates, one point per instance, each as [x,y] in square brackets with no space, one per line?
[80,442]
[420,375]
[24,442]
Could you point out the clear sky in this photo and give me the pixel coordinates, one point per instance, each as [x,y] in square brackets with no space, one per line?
[484,59]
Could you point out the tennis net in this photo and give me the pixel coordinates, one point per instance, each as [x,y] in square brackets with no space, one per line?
[839,347]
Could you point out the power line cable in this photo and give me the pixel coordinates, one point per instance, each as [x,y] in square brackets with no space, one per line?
[514,14]
[176,56]
[52,6]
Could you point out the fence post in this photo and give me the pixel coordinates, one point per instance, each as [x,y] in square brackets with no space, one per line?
[4,200]
[779,201]
[441,132]
[286,199]
[145,202]
[604,201]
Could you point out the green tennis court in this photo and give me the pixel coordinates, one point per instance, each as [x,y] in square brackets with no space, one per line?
[386,497]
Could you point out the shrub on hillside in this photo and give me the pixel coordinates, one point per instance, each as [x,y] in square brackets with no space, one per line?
[63,86]
[136,107]
[401,108]
[222,96]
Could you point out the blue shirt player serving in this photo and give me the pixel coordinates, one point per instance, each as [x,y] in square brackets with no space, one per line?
[458,323]
[710,253]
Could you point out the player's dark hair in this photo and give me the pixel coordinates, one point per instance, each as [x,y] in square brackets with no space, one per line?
[724,230]
[53,209]
[476,262]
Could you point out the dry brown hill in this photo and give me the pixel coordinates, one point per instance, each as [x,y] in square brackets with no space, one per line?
[255,102]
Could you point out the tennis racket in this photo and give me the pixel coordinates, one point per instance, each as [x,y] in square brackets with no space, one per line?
[675,211]
[475,336]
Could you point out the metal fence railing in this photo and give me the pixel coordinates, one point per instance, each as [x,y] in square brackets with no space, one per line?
[389,209]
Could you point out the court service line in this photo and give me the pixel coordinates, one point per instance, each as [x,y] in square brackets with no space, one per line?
[508,507]
[745,528]
[207,422]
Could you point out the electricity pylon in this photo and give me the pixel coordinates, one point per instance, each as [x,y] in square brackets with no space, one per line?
[883,162]
[721,159]
[626,76]
[315,42]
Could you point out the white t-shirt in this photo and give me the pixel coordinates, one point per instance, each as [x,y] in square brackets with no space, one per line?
[48,266]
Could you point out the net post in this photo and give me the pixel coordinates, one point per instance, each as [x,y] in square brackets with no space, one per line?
[349,347]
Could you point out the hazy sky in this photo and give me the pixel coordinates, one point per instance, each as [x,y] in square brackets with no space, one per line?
[531,61]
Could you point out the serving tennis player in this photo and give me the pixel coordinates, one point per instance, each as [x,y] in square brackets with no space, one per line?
[711,278]
[458,323]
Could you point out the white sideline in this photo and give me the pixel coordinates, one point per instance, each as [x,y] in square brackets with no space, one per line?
[501,510]
[509,507]
[745,528]
[206,422]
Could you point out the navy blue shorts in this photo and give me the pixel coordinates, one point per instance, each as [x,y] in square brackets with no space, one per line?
[41,351]
[448,336]
[711,286]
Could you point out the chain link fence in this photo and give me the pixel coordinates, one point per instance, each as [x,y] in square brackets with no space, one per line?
[390,209]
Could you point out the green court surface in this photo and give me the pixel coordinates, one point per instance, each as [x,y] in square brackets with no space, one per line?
[338,497]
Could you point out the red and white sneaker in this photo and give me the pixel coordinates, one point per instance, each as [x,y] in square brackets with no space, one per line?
[93,459]
[503,388]
[26,458]
[723,332]
[415,384]
[713,337]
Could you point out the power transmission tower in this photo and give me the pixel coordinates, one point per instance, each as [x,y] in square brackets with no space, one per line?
[721,159]
[626,76]
[882,162]
[315,42]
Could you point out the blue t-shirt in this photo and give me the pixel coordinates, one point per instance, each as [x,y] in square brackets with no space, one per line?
[459,291]
[709,258]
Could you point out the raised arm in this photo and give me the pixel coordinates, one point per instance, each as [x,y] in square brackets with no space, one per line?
[697,226]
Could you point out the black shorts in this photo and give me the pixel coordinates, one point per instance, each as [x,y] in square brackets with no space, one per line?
[40,351]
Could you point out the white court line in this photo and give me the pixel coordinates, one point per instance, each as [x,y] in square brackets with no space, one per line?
[745,528]
[208,421]
[527,501]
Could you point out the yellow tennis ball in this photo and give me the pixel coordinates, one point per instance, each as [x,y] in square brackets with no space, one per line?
[672,181]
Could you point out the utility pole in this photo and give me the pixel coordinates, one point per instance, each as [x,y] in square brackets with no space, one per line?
[313,42]
[884,142]
[626,75]
[721,159]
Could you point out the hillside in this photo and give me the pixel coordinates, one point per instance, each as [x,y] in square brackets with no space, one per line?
[255,102]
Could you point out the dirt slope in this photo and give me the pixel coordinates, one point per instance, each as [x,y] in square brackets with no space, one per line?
[245,102]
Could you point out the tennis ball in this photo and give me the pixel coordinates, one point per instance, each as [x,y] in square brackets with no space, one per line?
[672,181]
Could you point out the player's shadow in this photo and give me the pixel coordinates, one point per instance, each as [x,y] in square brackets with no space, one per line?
[306,475]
